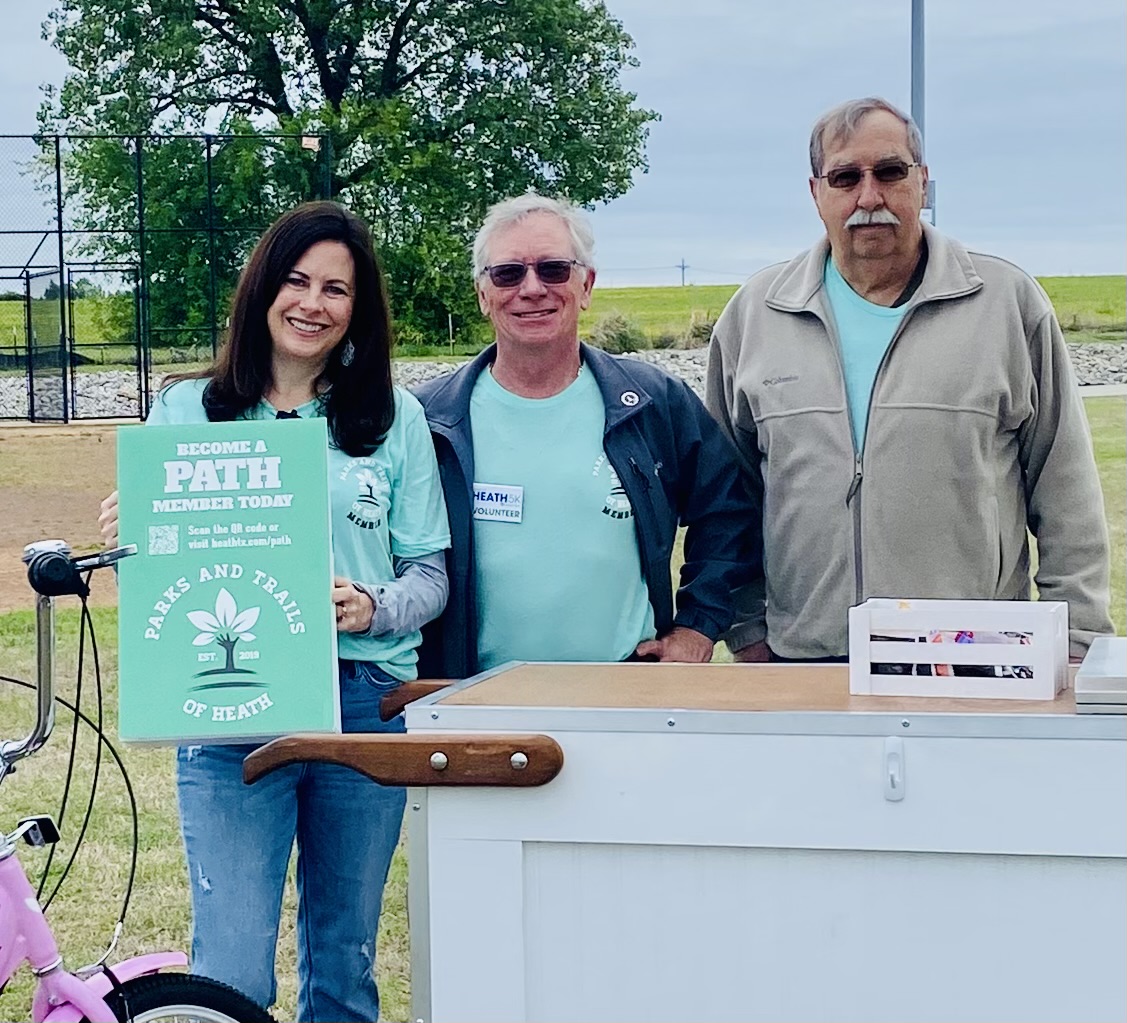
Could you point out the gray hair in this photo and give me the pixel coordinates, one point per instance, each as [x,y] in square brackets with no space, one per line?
[843,120]
[513,211]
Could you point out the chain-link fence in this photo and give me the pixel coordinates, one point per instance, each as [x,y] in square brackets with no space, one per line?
[118,255]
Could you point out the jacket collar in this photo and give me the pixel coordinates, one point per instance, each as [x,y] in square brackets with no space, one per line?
[449,403]
[950,273]
[623,396]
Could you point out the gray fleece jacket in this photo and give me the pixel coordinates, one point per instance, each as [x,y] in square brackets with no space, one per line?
[976,438]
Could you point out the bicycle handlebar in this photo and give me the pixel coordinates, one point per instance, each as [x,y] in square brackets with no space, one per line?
[51,572]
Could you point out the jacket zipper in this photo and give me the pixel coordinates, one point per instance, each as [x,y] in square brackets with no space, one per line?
[644,481]
[853,495]
[637,470]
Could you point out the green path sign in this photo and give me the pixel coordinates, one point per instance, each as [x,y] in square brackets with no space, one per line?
[226,628]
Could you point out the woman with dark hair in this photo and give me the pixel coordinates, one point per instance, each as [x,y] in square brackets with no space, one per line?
[310,335]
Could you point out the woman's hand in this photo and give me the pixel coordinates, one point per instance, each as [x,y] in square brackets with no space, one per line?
[107,520]
[354,608]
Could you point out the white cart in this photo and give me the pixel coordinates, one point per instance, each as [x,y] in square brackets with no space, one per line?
[731,842]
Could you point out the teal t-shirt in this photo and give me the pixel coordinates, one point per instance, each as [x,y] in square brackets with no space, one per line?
[865,331]
[558,573]
[385,505]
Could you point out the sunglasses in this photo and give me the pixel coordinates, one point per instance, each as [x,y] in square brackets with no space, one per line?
[887,172]
[550,271]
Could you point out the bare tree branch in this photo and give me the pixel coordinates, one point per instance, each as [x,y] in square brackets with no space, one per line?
[256,46]
[389,79]
[317,34]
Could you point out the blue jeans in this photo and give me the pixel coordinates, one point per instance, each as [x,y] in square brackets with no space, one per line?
[238,840]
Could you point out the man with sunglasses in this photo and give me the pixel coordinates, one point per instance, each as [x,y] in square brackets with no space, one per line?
[567,472]
[906,410]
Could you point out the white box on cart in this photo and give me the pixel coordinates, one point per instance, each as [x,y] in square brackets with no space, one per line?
[990,649]
[1101,682]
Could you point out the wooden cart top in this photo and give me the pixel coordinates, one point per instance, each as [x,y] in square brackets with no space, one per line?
[719,687]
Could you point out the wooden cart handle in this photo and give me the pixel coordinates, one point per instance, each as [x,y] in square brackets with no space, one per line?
[445,759]
[408,692]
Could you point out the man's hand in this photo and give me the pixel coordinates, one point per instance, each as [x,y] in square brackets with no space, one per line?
[678,644]
[753,653]
[354,608]
[107,520]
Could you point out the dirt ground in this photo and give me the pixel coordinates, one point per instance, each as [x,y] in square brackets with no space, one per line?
[52,479]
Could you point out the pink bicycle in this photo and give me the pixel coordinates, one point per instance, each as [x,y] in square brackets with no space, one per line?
[134,989]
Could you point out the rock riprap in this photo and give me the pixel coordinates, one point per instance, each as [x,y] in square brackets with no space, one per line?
[113,393]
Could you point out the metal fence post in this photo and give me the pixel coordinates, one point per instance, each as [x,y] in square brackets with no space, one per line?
[326,155]
[66,367]
[143,354]
[211,295]
[28,348]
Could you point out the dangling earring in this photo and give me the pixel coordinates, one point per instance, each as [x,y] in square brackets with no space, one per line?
[347,353]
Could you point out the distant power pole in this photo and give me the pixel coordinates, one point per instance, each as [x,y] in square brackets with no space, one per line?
[918,91]
[684,266]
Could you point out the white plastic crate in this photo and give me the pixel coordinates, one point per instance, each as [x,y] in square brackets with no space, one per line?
[913,641]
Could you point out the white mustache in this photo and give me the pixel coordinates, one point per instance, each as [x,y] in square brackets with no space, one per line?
[862,218]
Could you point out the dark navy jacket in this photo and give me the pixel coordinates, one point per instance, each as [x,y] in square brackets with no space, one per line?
[677,469]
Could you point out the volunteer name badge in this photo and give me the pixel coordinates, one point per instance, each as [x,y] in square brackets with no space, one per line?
[495,502]
[226,628]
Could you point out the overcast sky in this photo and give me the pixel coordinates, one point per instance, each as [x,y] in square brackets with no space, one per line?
[1026,125]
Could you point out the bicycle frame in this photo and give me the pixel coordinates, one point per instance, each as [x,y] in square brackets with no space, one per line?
[25,936]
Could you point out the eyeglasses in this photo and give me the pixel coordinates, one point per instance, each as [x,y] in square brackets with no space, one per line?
[550,271]
[887,172]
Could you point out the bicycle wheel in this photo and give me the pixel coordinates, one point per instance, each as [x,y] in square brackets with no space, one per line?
[183,998]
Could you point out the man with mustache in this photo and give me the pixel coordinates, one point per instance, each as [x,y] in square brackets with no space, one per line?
[907,411]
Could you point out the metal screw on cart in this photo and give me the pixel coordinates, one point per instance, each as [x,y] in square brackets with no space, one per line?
[439,761]
[519,761]
[416,806]
[905,723]
[671,722]
[434,715]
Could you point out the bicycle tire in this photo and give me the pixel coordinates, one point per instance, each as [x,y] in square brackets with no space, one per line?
[179,997]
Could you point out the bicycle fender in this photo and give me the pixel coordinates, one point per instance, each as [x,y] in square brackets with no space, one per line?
[99,984]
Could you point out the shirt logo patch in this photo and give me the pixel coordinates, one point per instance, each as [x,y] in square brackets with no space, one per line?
[629,398]
[495,502]
[617,504]
[373,488]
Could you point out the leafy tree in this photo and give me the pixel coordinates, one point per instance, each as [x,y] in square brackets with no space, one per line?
[430,111]
[80,288]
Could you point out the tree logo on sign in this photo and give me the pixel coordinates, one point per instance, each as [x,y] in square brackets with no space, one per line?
[227,627]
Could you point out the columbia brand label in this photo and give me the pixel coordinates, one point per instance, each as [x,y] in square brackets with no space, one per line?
[629,398]
[494,502]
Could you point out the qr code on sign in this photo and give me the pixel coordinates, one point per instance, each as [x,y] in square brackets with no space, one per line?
[164,539]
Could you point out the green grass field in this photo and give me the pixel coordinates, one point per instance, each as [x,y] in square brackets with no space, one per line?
[1092,308]
[45,317]
[659,311]
[84,914]
[1088,303]
[1089,308]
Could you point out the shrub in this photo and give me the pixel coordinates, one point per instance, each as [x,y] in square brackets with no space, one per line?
[408,335]
[617,335]
[698,335]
